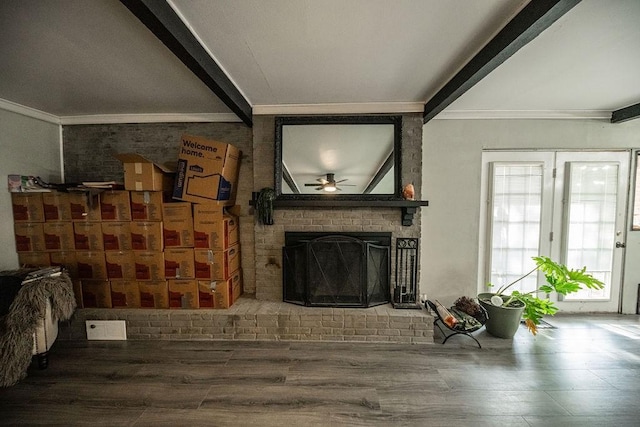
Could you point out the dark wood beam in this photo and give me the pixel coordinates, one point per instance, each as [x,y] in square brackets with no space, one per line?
[386,167]
[167,26]
[532,20]
[624,114]
[286,176]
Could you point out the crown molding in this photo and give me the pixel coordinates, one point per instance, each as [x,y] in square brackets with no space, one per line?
[99,119]
[28,112]
[523,114]
[352,108]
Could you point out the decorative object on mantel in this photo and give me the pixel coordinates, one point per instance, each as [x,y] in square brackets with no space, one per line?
[264,204]
[405,291]
[409,192]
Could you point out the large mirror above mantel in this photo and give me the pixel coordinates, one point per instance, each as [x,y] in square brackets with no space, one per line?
[338,157]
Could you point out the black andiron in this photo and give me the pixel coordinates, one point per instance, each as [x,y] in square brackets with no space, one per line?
[405,292]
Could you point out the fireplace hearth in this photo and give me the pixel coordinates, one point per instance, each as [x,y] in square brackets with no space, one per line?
[336,269]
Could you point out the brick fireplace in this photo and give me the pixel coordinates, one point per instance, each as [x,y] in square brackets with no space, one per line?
[261,314]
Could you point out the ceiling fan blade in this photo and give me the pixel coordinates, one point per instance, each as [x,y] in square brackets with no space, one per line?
[311,185]
[342,180]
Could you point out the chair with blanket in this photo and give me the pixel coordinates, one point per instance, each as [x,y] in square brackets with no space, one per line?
[31,304]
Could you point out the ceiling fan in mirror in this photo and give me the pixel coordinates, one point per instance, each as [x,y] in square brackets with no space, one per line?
[329,183]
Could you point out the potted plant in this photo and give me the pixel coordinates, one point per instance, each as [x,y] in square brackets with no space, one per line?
[505,311]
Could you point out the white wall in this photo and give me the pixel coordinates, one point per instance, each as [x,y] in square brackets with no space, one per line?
[29,147]
[452,151]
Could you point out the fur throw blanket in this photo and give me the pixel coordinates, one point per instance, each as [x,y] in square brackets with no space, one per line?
[26,311]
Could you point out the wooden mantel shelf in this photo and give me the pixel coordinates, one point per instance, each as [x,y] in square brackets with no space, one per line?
[408,207]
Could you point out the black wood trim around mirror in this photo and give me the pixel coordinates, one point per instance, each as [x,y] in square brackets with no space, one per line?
[280,173]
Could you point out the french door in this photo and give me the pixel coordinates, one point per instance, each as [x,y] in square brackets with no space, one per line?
[567,205]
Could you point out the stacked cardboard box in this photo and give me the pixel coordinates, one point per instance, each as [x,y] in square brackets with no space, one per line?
[137,248]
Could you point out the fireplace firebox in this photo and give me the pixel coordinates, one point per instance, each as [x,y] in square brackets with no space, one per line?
[336,269]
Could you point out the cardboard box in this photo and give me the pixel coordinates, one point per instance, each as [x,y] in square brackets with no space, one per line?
[149,265]
[207,171]
[88,236]
[96,293]
[27,207]
[125,294]
[115,206]
[146,236]
[29,237]
[179,263]
[177,225]
[120,265]
[58,236]
[146,205]
[66,259]
[237,288]
[34,259]
[183,294]
[141,174]
[84,207]
[214,294]
[91,265]
[154,294]
[216,265]
[213,229]
[116,236]
[56,206]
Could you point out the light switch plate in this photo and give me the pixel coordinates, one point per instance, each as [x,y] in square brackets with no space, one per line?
[106,330]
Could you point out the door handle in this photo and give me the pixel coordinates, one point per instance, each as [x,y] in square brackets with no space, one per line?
[620,245]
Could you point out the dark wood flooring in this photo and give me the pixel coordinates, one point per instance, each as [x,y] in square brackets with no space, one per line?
[583,372]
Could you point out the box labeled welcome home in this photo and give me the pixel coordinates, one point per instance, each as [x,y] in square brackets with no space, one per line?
[207,171]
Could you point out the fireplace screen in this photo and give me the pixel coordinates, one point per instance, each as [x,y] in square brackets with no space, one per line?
[337,270]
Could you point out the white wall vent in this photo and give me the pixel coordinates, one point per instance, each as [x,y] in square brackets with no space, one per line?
[106,330]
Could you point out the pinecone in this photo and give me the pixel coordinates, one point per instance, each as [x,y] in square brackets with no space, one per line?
[469,306]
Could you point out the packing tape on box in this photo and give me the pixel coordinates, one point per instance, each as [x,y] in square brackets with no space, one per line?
[138,168]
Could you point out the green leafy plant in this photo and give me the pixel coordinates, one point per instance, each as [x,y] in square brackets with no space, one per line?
[560,279]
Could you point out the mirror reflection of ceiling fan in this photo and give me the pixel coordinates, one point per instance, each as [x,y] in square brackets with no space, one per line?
[329,183]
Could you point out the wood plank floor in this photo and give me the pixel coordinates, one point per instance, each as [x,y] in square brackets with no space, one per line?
[583,372]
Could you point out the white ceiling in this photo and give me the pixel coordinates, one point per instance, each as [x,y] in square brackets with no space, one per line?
[88,60]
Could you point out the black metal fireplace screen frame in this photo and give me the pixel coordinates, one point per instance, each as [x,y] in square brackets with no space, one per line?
[337,269]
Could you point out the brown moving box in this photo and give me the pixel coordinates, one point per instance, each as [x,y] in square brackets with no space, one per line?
[91,265]
[179,263]
[146,236]
[216,265]
[116,236]
[88,236]
[84,207]
[27,207]
[141,174]
[177,225]
[146,205]
[207,171]
[58,236]
[149,265]
[220,293]
[213,229]
[96,294]
[66,259]
[115,206]
[183,294]
[29,237]
[125,294]
[120,265]
[34,259]
[236,285]
[56,206]
[154,294]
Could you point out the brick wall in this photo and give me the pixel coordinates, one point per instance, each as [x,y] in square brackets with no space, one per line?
[88,156]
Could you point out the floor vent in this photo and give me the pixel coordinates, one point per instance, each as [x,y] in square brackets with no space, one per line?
[114,330]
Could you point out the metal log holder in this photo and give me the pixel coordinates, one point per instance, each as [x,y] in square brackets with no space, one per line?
[405,291]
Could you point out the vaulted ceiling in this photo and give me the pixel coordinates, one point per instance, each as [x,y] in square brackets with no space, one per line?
[84,61]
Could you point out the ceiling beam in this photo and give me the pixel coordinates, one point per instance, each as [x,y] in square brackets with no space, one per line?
[624,114]
[386,167]
[532,20]
[167,26]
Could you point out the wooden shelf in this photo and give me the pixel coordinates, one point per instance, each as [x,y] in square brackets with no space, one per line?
[408,207]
